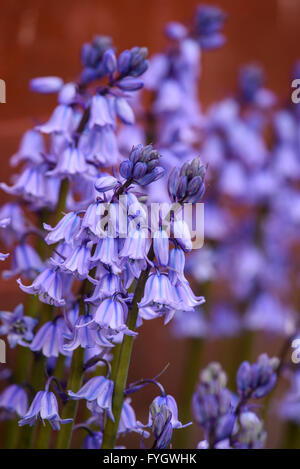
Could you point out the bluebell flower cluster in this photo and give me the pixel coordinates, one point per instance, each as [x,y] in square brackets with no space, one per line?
[97,258]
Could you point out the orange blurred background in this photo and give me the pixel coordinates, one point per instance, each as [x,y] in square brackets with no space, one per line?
[40,38]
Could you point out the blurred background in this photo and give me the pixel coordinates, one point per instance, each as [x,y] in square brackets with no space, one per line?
[40,38]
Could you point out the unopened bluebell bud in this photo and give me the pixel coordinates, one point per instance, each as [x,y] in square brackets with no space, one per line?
[129,84]
[124,62]
[136,153]
[46,85]
[139,170]
[175,30]
[110,61]
[126,169]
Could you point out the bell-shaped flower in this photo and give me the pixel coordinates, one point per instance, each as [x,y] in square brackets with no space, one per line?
[159,292]
[112,313]
[17,327]
[137,244]
[86,335]
[66,229]
[49,339]
[107,284]
[92,217]
[161,247]
[13,400]
[99,390]
[100,146]
[106,183]
[48,285]
[44,406]
[61,121]
[25,262]
[182,234]
[107,251]
[31,184]
[169,402]
[186,297]
[101,112]
[176,265]
[128,422]
[78,263]
[70,162]
[32,149]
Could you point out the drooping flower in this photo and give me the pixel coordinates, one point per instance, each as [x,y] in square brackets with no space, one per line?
[13,400]
[48,285]
[44,406]
[98,389]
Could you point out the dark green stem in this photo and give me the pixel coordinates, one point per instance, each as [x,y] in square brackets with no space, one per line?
[120,369]
[70,409]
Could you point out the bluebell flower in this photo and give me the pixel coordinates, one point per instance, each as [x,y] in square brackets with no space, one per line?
[161,246]
[61,121]
[159,292]
[32,149]
[13,400]
[93,440]
[128,422]
[251,433]
[100,146]
[25,262]
[31,184]
[17,327]
[107,284]
[107,252]
[78,263]
[48,285]
[98,389]
[49,339]
[44,406]
[259,379]
[106,183]
[101,112]
[112,313]
[160,422]
[85,335]
[169,402]
[176,265]
[213,407]
[66,229]
[70,162]
[136,245]
[208,24]
[124,111]
[46,85]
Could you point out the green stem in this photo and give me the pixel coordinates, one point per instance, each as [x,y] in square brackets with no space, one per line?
[70,409]
[120,369]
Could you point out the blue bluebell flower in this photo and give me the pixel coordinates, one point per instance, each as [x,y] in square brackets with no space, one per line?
[25,262]
[78,263]
[98,389]
[13,400]
[17,327]
[32,149]
[49,339]
[61,121]
[44,406]
[66,229]
[48,285]
[85,335]
[259,379]
[46,85]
